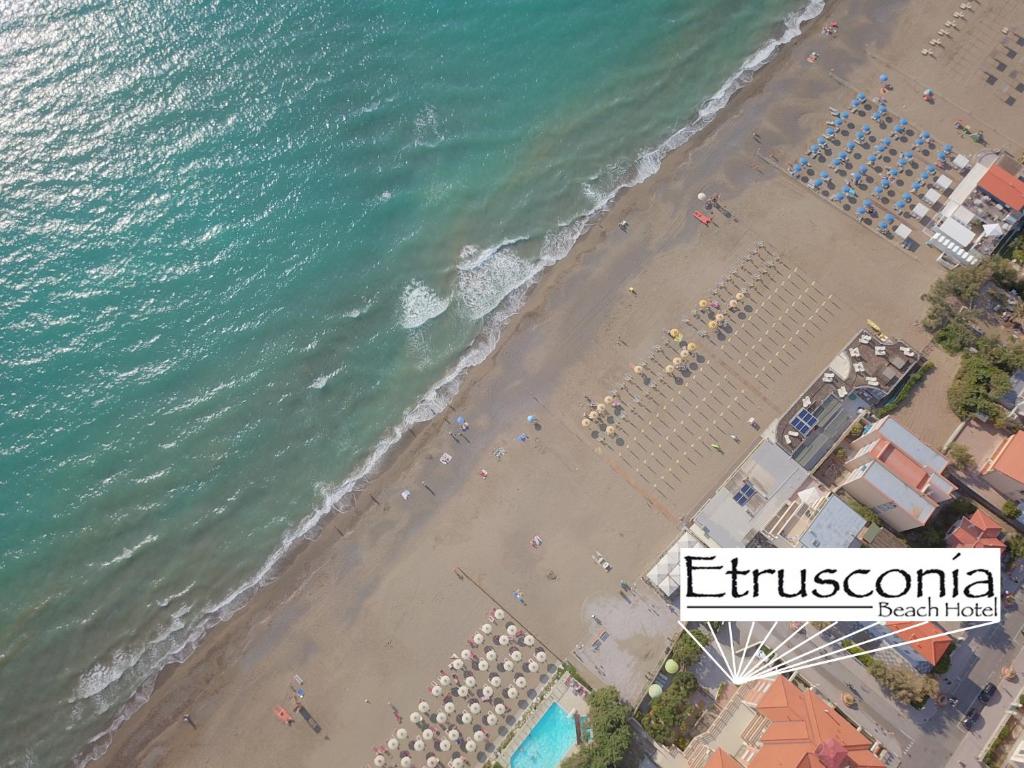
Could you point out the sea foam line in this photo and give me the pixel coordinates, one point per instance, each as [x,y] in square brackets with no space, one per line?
[556,246]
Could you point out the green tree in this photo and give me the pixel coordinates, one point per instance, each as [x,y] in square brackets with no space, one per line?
[906,685]
[1011,510]
[609,723]
[961,457]
[685,651]
[670,711]
[1015,546]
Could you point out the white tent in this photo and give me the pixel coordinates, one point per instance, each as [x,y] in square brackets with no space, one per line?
[902,231]
[665,574]
[920,211]
[957,232]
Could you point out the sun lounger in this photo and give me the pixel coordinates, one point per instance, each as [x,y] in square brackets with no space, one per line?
[859,367]
[842,392]
[854,352]
[703,218]
[872,381]
[880,351]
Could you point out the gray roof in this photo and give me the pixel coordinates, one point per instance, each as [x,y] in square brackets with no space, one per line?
[835,526]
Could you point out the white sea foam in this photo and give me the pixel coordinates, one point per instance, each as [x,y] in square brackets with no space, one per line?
[554,247]
[321,381]
[420,304]
[127,552]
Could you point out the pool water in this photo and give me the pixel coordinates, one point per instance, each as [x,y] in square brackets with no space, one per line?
[550,739]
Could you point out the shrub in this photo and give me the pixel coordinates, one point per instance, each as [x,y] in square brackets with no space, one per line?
[668,712]
[1011,510]
[961,457]
[908,386]
[858,426]
[685,651]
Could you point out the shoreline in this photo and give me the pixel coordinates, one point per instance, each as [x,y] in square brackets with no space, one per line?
[176,684]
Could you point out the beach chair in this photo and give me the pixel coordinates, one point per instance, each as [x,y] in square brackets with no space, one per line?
[703,218]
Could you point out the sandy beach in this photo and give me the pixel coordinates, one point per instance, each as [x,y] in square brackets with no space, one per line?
[369,611]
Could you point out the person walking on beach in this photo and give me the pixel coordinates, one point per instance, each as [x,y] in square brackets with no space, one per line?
[632,290]
[717,447]
[188,719]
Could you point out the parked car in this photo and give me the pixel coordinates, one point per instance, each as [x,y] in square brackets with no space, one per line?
[970,719]
[987,693]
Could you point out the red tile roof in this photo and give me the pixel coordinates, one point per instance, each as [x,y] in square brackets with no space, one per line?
[805,732]
[931,649]
[1004,186]
[722,759]
[978,530]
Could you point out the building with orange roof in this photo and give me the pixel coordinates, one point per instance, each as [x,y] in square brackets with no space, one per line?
[1004,187]
[896,475]
[978,530]
[924,650]
[1004,469]
[775,724]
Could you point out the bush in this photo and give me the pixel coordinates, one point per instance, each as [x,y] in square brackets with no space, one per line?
[858,426]
[978,386]
[1011,510]
[908,386]
[961,457]
[1015,546]
[904,684]
[609,723]
[685,651]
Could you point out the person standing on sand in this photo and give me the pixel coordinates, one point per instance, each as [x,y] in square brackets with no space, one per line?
[188,719]
[632,290]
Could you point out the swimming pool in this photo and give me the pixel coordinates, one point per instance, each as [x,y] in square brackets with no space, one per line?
[550,739]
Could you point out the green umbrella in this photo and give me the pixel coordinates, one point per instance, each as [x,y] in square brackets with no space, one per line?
[671,666]
[654,691]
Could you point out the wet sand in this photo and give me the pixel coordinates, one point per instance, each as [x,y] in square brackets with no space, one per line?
[373,607]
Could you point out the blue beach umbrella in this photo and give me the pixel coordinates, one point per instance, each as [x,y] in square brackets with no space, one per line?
[942,155]
[883,108]
[903,161]
[948,147]
[872,159]
[844,155]
[837,122]
[844,115]
[861,96]
[900,205]
[907,197]
[879,191]
[925,135]
[830,132]
[851,145]
[883,78]
[919,142]
[917,186]
[885,183]
[863,169]
[818,183]
[857,177]
[861,211]
[866,128]
[812,150]
[904,122]
[837,197]
[460,420]
[886,141]
[854,104]
[836,162]
[908,154]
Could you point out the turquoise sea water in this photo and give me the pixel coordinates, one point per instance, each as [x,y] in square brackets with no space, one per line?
[241,245]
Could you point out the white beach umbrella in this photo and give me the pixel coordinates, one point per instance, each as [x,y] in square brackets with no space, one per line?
[471,681]
[458,762]
[445,680]
[541,656]
[474,708]
[442,717]
[498,614]
[529,640]
[486,692]
[416,717]
[405,762]
[532,665]
[463,691]
[453,734]
[491,718]
[466,654]
[427,735]
[478,638]
[482,665]
[495,681]
[491,654]
[392,743]
[379,760]
[479,736]
[520,682]
[500,708]
[444,745]
[401,734]
[511,629]
[458,664]
[469,745]
[466,718]
[516,655]
[511,692]
[503,640]
[487,629]
[449,707]
[424,707]
[436,691]
[418,745]
[507,665]
[432,761]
